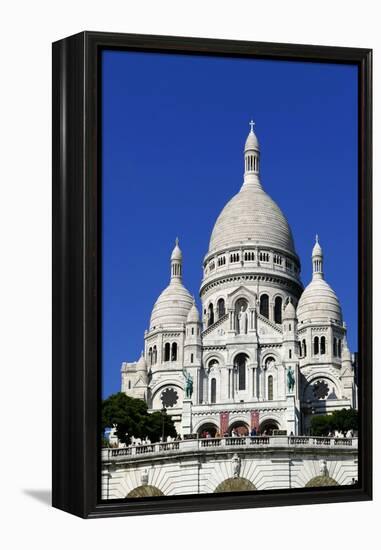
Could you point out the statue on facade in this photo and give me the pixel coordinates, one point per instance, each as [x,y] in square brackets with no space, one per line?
[323,468]
[236,461]
[242,321]
[290,379]
[144,477]
[188,384]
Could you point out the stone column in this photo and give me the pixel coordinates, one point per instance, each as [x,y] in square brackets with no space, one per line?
[186,417]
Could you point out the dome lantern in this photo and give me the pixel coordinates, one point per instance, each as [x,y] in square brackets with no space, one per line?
[176,262]
[251,154]
[317,260]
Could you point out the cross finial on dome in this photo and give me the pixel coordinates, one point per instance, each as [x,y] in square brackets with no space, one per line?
[317,238]
[252,124]
[177,241]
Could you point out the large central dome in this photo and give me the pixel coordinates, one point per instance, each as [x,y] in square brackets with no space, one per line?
[251,217]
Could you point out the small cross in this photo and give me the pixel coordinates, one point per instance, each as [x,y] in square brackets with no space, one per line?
[177,241]
[317,238]
[251,124]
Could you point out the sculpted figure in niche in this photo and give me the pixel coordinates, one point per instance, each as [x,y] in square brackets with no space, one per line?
[242,321]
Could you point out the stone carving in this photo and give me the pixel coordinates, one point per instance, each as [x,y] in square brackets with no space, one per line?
[320,389]
[144,477]
[323,468]
[242,321]
[236,462]
[169,397]
[290,379]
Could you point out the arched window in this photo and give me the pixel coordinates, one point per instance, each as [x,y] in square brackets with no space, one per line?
[129,384]
[289,354]
[210,315]
[264,306]
[270,388]
[154,355]
[278,310]
[322,345]
[304,348]
[300,349]
[192,357]
[167,351]
[150,356]
[241,367]
[192,330]
[335,347]
[213,390]
[221,307]
[316,345]
[339,347]
[174,352]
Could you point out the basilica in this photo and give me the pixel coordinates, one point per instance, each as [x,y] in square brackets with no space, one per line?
[264,353]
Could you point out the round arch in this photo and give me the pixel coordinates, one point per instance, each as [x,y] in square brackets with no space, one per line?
[145,491]
[268,355]
[324,377]
[207,427]
[233,484]
[208,420]
[241,427]
[268,425]
[321,481]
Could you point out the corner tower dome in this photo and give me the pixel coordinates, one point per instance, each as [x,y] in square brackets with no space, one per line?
[318,301]
[174,303]
[251,216]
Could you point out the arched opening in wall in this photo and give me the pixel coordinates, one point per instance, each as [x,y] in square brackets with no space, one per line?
[339,348]
[240,428]
[240,364]
[154,355]
[207,430]
[335,347]
[221,308]
[264,305]
[268,426]
[321,481]
[278,310]
[235,484]
[213,390]
[167,351]
[150,356]
[304,345]
[174,352]
[322,345]
[129,384]
[316,345]
[210,315]
[145,491]
[270,388]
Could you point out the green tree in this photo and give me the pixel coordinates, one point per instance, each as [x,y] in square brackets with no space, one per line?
[342,421]
[133,419]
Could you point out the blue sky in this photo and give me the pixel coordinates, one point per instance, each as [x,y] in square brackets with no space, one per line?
[174,128]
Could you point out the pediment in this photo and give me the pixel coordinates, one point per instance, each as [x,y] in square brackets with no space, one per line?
[267,329]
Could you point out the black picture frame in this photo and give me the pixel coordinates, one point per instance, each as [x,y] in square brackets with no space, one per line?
[76,272]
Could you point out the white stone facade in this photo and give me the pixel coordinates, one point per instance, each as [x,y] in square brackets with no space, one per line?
[265,353]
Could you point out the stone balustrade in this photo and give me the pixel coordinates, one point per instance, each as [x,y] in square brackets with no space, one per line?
[193,445]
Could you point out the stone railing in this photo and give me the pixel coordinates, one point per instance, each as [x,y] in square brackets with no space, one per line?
[194,445]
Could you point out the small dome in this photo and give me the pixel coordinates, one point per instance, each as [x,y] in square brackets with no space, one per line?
[318,303]
[251,142]
[289,311]
[176,252]
[193,315]
[172,306]
[317,250]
